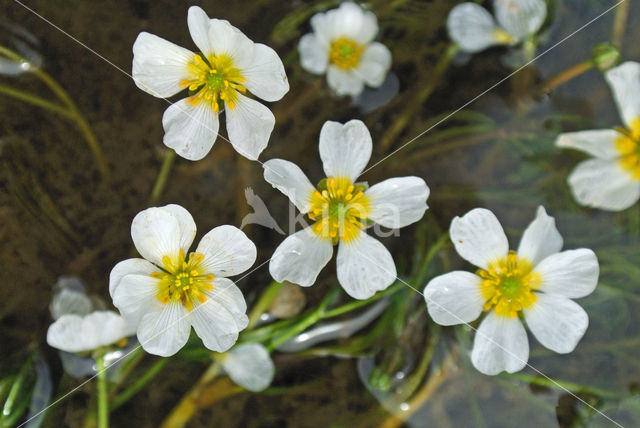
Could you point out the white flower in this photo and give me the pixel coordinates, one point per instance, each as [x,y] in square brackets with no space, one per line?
[474,29]
[226,66]
[70,298]
[342,209]
[250,366]
[342,46]
[167,293]
[611,179]
[75,333]
[536,282]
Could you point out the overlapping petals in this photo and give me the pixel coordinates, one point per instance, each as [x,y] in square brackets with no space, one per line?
[539,280]
[77,333]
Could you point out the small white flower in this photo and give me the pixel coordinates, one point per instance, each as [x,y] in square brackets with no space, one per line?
[165,293]
[226,66]
[610,180]
[536,282]
[342,46]
[250,366]
[342,209]
[75,333]
[70,298]
[474,29]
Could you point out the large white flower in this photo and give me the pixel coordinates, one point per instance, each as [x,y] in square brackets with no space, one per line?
[166,293]
[474,29]
[342,46]
[226,66]
[342,209]
[537,283]
[76,333]
[611,179]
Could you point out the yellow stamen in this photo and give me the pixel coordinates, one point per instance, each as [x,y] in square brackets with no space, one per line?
[345,53]
[507,285]
[628,146]
[214,81]
[502,37]
[339,208]
[183,280]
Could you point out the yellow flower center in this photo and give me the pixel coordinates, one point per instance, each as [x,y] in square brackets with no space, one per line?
[183,280]
[507,285]
[345,53]
[502,37]
[628,145]
[214,80]
[339,208]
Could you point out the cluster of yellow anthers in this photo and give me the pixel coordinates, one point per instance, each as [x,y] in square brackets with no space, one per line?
[628,145]
[339,208]
[507,285]
[183,281]
[345,53]
[215,79]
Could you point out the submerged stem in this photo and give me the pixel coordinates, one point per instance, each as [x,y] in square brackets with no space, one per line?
[103,398]
[566,75]
[138,384]
[163,175]
[35,100]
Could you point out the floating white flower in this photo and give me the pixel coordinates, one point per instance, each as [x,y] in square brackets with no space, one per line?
[342,46]
[610,180]
[342,208]
[474,29]
[537,283]
[75,333]
[168,293]
[70,298]
[226,66]
[250,366]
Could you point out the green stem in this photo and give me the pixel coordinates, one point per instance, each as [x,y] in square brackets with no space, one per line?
[35,100]
[264,302]
[307,321]
[442,241]
[576,388]
[103,399]
[620,24]
[566,75]
[123,397]
[351,306]
[163,175]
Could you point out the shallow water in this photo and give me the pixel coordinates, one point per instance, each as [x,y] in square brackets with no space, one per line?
[58,217]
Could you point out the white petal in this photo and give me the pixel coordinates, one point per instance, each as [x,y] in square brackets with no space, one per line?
[186,223]
[540,239]
[599,143]
[344,82]
[368,28]
[374,64]
[520,17]
[571,273]
[625,84]
[364,266]
[300,258]
[601,183]
[164,332]
[249,126]
[70,302]
[74,333]
[314,55]
[156,233]
[227,251]
[190,130]
[198,23]
[225,39]
[215,325]
[472,27]
[500,344]
[345,149]
[250,366]
[348,20]
[229,295]
[126,267]
[454,298]
[136,295]
[265,76]
[159,65]
[478,237]
[288,178]
[398,202]
[557,322]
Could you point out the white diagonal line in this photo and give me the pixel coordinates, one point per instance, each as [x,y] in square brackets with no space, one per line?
[471,101]
[133,350]
[491,340]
